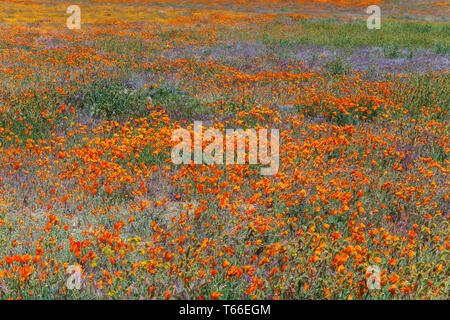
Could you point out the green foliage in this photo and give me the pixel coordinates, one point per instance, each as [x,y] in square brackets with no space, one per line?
[425,91]
[177,103]
[121,45]
[109,98]
[442,48]
[336,66]
[391,50]
[355,34]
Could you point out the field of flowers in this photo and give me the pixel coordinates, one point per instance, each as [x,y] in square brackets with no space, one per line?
[92,206]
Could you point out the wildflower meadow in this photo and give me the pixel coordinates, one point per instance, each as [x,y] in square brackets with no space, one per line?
[224,149]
